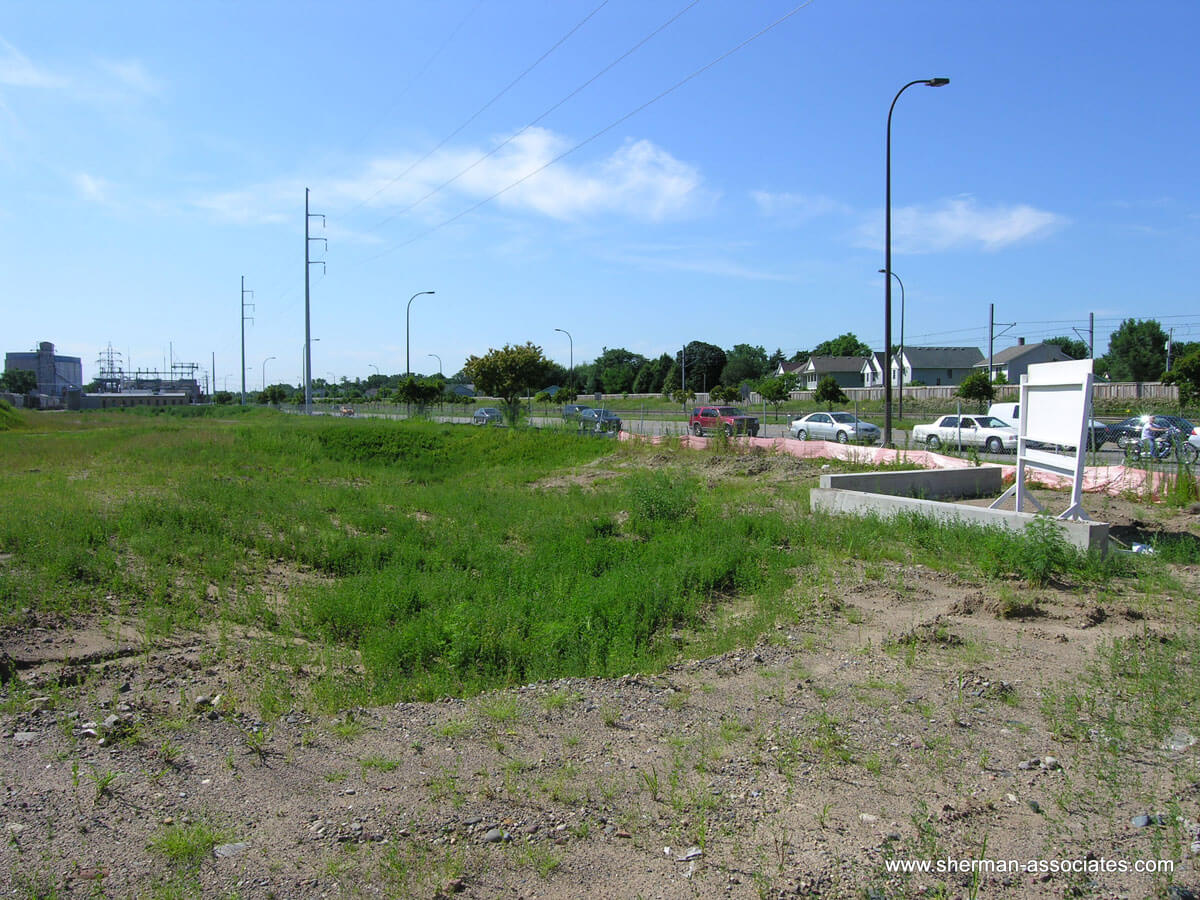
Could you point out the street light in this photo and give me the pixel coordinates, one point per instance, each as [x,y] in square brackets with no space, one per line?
[572,340]
[887,257]
[889,349]
[408,310]
[439,359]
[264,371]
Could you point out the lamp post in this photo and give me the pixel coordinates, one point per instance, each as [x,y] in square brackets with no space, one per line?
[889,349]
[572,340]
[264,371]
[407,365]
[439,359]
[887,257]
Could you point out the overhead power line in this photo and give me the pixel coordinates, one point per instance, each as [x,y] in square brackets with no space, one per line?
[475,115]
[516,134]
[607,128]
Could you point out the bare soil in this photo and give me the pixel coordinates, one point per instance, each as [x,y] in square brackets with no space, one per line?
[904,719]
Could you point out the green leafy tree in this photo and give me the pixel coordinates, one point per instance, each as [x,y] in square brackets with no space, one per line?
[1185,374]
[683,396]
[1073,348]
[223,397]
[615,369]
[18,381]
[507,374]
[847,344]
[704,364]
[978,388]
[670,383]
[776,389]
[652,376]
[1137,351]
[274,393]
[744,363]
[775,360]
[420,392]
[722,394]
[830,392]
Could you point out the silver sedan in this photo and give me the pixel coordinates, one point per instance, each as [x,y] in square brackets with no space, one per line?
[842,427]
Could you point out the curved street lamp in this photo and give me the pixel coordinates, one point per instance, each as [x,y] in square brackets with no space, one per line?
[887,258]
[889,372]
[407,312]
[439,359]
[572,340]
[264,371]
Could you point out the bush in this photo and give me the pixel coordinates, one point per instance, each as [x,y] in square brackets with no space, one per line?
[657,497]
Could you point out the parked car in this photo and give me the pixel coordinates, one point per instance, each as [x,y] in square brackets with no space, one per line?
[729,419]
[346,411]
[988,432]
[572,412]
[487,415]
[599,420]
[842,427]
[1129,430]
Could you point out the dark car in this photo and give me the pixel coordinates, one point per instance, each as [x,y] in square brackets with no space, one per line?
[1130,430]
[572,412]
[599,420]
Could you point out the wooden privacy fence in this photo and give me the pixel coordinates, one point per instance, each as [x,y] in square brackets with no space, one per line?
[1132,390]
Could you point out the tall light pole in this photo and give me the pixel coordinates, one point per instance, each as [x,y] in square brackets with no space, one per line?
[264,371]
[439,359]
[572,340]
[887,258]
[885,356]
[407,364]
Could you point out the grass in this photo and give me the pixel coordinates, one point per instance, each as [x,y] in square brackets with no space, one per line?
[423,560]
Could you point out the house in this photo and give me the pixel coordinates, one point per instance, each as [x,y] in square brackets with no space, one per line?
[935,365]
[1014,362]
[873,368]
[790,368]
[846,371]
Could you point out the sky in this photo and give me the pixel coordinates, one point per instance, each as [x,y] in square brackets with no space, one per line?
[638,173]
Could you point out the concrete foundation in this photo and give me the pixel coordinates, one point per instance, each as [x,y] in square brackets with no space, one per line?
[888,494]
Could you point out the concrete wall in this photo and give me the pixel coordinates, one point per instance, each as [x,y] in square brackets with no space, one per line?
[888,494]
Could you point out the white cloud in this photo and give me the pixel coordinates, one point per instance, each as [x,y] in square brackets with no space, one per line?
[798,207]
[638,181]
[91,187]
[132,76]
[961,222]
[16,70]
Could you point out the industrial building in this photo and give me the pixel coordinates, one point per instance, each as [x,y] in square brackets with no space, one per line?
[55,374]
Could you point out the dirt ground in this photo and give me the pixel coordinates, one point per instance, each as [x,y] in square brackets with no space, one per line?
[904,720]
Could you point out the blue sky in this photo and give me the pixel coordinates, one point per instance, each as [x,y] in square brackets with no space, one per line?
[152,154]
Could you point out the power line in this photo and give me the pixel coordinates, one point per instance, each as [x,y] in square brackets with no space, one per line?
[607,128]
[471,118]
[508,140]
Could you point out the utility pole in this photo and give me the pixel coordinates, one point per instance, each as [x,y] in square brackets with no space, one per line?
[242,402]
[683,369]
[1091,335]
[992,323]
[1170,341]
[307,293]
[214,377]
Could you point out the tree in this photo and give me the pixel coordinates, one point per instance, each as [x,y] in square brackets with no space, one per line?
[506,374]
[275,393]
[744,363]
[1186,375]
[18,381]
[704,364]
[223,397]
[1073,348]
[830,392]
[419,391]
[775,360]
[683,397]
[846,345]
[616,369]
[729,394]
[977,386]
[775,389]
[651,376]
[1137,351]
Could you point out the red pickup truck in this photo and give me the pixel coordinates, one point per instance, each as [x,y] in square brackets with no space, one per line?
[730,419]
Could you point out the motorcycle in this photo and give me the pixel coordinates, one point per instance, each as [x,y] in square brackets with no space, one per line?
[1171,442]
